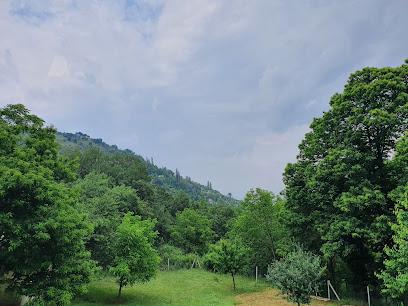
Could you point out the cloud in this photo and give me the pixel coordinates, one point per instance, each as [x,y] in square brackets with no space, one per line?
[59,67]
[221,90]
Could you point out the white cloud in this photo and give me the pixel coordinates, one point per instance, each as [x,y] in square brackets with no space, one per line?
[59,67]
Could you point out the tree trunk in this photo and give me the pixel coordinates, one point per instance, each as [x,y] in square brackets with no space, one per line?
[120,288]
[331,267]
[298,303]
[233,279]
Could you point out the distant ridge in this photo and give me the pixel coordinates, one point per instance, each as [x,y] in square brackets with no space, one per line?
[160,176]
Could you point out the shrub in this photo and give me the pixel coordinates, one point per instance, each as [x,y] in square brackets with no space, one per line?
[296,275]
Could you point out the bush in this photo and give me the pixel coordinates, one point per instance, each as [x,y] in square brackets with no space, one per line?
[296,275]
[177,258]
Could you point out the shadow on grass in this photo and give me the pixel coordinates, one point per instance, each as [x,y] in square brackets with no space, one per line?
[107,296]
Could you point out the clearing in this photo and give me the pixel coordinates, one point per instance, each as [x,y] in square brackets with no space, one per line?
[185,287]
[182,288]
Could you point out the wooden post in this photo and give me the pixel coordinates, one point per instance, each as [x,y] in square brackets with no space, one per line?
[168,264]
[256,275]
[368,296]
[328,289]
[334,291]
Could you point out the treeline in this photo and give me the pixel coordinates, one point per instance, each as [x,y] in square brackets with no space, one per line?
[169,180]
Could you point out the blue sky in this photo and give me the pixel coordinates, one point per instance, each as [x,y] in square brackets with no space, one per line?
[222,90]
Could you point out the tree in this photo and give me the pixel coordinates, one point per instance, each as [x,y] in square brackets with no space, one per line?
[106,205]
[338,190]
[180,202]
[121,166]
[296,275]
[222,216]
[228,256]
[42,231]
[192,231]
[261,226]
[395,273]
[135,258]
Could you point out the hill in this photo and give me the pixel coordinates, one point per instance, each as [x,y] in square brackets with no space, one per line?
[160,176]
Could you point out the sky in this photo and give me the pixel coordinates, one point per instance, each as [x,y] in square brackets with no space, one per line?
[221,90]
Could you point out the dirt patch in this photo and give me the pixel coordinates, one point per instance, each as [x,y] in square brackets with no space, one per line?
[268,297]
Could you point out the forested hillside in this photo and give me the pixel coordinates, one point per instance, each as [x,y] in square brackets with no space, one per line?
[160,176]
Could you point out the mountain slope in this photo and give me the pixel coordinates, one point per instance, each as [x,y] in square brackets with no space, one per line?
[160,176]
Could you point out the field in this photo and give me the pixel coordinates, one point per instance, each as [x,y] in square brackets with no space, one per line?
[185,287]
[182,287]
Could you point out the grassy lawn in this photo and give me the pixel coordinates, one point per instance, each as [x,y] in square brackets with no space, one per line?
[183,287]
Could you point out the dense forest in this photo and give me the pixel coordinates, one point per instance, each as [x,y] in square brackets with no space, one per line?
[72,207]
[160,176]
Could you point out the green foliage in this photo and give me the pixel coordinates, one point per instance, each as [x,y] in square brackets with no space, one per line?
[122,167]
[95,155]
[192,231]
[135,259]
[261,226]
[227,256]
[222,216]
[176,258]
[39,216]
[395,274]
[296,275]
[161,199]
[338,190]
[105,204]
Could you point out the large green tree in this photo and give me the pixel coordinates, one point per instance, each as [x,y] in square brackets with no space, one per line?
[42,232]
[338,190]
[135,259]
[228,256]
[192,231]
[261,226]
[395,274]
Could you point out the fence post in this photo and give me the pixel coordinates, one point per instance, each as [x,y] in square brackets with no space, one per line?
[256,275]
[168,264]
[328,289]
[334,291]
[368,296]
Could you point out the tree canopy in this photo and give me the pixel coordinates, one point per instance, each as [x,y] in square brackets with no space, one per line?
[39,216]
[135,259]
[192,231]
[338,190]
[260,224]
[228,256]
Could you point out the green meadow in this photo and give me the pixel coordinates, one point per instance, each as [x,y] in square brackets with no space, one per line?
[182,287]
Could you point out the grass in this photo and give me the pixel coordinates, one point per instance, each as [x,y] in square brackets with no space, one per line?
[182,287]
